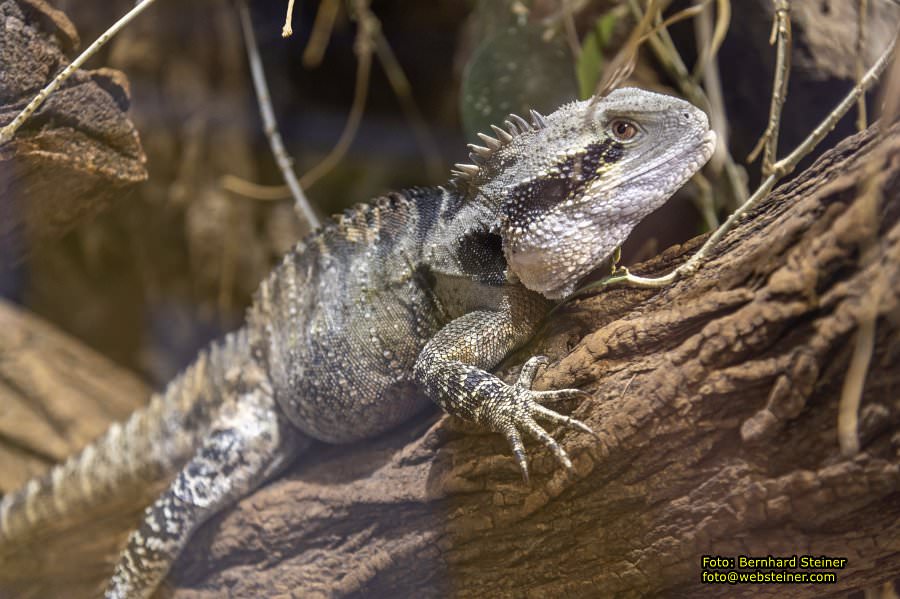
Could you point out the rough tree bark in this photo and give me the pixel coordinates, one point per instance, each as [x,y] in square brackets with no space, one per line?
[56,395]
[716,403]
[78,152]
[715,400]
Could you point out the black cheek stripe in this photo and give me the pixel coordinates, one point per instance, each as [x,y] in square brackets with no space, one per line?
[527,202]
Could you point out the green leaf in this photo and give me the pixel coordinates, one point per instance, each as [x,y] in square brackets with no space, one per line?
[590,64]
[514,67]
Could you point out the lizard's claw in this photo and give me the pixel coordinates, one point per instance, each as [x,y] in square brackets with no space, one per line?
[514,413]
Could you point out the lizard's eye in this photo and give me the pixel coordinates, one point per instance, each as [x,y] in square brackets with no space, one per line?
[622,129]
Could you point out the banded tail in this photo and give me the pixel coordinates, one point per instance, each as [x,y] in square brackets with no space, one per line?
[148,447]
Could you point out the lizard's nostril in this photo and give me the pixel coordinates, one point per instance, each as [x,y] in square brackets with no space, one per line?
[686,116]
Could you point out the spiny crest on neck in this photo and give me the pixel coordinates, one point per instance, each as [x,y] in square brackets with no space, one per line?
[464,174]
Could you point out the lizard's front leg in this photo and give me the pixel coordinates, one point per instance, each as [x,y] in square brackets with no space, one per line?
[452,369]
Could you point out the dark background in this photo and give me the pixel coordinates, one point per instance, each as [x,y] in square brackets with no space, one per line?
[173,262]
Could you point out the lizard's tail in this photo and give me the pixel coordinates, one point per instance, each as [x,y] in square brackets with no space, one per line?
[149,447]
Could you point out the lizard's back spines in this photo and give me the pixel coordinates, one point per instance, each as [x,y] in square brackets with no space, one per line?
[362,225]
[466,175]
[130,456]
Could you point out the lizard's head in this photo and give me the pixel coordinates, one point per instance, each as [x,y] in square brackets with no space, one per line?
[570,187]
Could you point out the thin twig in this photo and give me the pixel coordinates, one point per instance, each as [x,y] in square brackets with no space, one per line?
[861,21]
[7,132]
[301,204]
[713,40]
[364,48]
[851,394]
[568,18]
[789,162]
[287,30]
[781,32]
[228,268]
[623,63]
[889,96]
[705,202]
[667,54]
[403,90]
[627,385]
[370,38]
[321,33]
[864,343]
[709,41]
[779,170]
[254,191]
[870,199]
[681,15]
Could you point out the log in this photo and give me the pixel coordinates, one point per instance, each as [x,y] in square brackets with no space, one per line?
[74,156]
[715,400]
[57,395]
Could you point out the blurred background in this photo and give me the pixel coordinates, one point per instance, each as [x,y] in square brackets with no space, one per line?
[171,262]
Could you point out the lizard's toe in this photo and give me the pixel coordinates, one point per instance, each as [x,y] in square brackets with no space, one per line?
[535,430]
[562,419]
[515,442]
[529,371]
[514,410]
[519,418]
[561,394]
[526,380]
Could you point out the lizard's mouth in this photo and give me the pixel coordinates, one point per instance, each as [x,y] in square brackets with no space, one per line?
[707,147]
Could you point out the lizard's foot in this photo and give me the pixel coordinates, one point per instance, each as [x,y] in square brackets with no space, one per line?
[516,407]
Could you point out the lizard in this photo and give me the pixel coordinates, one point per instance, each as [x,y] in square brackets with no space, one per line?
[413,297]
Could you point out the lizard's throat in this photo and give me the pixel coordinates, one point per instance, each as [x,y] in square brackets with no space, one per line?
[554,271]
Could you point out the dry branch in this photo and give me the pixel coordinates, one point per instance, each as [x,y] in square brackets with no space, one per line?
[9,130]
[302,206]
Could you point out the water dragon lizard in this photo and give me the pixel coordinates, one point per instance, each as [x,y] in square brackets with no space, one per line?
[413,297]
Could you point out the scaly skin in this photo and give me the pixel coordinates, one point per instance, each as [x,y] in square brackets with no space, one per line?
[412,298]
